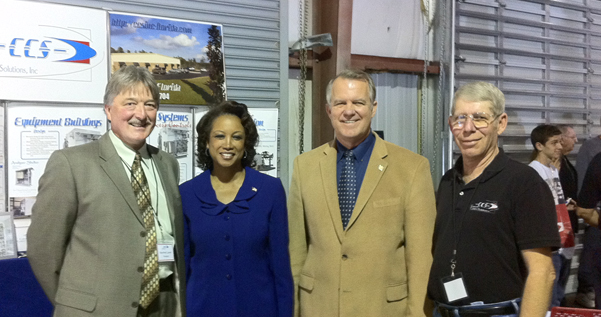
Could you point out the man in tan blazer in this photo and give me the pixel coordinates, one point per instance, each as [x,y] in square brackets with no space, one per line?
[87,240]
[370,257]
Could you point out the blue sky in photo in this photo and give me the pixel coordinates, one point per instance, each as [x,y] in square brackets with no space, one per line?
[180,38]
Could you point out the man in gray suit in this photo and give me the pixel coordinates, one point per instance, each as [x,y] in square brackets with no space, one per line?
[106,237]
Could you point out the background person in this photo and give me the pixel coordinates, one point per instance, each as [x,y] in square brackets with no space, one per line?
[590,196]
[546,140]
[236,223]
[494,232]
[361,216]
[104,207]
[591,244]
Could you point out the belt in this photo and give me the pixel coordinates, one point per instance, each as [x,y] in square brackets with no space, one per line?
[477,312]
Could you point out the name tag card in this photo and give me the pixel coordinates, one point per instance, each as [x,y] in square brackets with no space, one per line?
[166,253]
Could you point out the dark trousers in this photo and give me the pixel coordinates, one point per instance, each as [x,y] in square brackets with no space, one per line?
[591,254]
[165,305]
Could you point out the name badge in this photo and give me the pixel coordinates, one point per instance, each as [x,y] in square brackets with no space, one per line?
[454,287]
[166,253]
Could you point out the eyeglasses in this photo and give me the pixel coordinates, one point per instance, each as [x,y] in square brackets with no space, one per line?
[480,120]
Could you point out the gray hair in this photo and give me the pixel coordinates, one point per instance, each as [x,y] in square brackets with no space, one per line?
[354,74]
[564,128]
[481,91]
[127,78]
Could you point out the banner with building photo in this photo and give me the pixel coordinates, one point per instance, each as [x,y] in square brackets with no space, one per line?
[52,52]
[34,132]
[266,120]
[173,134]
[185,57]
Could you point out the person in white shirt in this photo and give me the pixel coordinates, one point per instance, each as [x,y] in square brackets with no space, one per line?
[546,140]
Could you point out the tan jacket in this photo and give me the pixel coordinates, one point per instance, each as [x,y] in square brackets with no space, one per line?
[379,265]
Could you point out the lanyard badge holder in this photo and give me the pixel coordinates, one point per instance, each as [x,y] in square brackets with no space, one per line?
[453,285]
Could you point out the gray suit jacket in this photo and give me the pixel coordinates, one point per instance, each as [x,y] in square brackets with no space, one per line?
[86,243]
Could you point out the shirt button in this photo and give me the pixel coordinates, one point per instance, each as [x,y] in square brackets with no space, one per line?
[461,193]
[142,234]
[227,237]
[226,218]
[229,277]
[140,269]
[134,304]
[344,257]
[228,256]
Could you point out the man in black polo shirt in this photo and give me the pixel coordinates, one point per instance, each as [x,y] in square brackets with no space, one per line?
[589,197]
[496,224]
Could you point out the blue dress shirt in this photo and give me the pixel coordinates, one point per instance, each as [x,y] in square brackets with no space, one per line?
[362,154]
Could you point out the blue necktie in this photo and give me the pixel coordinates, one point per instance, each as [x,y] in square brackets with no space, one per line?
[347,188]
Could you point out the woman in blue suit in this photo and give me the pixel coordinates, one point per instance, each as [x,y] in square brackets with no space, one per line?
[236,226]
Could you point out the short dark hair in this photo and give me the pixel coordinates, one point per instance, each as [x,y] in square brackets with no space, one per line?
[541,134]
[204,127]
[128,78]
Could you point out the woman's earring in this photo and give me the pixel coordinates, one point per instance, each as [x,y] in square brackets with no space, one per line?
[245,154]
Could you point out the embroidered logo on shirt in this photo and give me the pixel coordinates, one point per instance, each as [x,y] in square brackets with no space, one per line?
[485,206]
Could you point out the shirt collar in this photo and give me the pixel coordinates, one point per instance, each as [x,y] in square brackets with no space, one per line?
[359,151]
[126,153]
[497,165]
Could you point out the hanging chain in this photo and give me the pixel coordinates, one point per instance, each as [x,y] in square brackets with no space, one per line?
[303,9]
[441,82]
[424,105]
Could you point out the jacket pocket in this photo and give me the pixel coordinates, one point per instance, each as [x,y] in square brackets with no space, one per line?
[387,202]
[306,282]
[396,293]
[76,299]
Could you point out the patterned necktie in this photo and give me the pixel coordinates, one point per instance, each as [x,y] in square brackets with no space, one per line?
[150,278]
[347,188]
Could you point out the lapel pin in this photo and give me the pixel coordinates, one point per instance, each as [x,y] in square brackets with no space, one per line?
[254,189]
[381,168]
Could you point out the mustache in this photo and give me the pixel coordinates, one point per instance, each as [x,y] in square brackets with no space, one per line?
[138,122]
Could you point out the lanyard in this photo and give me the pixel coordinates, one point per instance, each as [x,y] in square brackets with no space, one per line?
[457,233]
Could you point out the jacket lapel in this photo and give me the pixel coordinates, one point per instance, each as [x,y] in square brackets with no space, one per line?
[375,169]
[328,178]
[113,167]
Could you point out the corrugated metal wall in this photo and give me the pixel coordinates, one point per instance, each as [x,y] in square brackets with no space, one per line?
[398,108]
[252,33]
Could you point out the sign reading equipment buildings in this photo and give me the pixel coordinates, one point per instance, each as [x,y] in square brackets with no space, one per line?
[51,52]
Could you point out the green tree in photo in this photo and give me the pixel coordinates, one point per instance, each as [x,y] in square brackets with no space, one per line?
[215,56]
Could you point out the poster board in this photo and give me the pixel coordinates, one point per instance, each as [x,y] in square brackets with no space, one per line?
[173,134]
[185,57]
[34,133]
[52,52]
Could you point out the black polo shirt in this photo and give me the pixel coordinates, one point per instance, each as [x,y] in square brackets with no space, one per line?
[507,209]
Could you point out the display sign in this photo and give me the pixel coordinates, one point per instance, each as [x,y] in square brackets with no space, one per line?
[266,120]
[185,57]
[34,132]
[51,52]
[173,134]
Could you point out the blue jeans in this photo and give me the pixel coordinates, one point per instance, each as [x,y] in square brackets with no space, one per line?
[457,312]
[562,272]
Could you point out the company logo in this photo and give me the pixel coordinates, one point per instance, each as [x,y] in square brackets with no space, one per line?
[485,206]
[77,51]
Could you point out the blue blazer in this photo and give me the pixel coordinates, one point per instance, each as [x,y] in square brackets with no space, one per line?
[237,260]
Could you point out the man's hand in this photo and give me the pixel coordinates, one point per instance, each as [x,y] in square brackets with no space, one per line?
[589,215]
[571,205]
